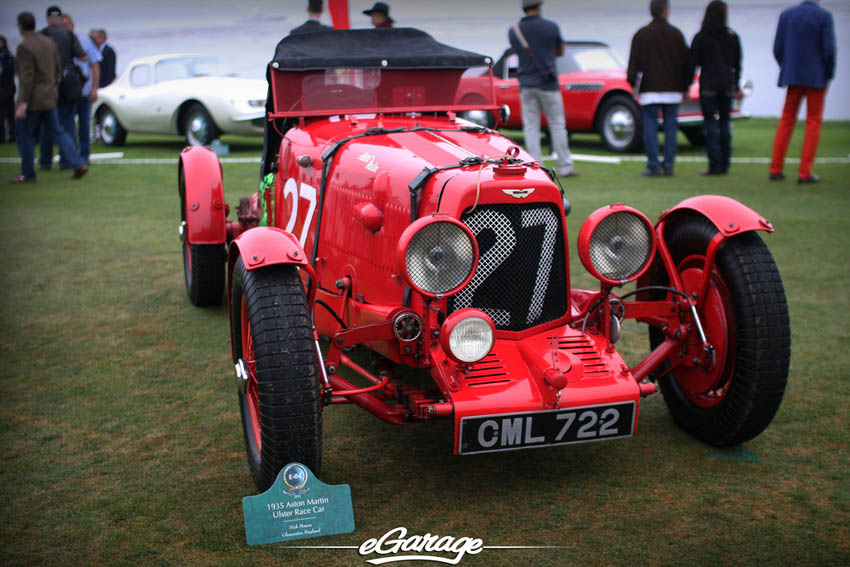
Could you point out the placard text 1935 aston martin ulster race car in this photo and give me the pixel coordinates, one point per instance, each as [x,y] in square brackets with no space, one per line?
[389,223]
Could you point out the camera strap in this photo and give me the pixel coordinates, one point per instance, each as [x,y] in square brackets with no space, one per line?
[527,47]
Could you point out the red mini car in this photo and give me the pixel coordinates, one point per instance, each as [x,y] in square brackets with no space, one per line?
[389,224]
[597,97]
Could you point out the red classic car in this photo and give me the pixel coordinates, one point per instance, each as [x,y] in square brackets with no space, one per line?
[597,97]
[439,250]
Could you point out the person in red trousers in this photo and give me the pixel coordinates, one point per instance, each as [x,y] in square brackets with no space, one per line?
[805,50]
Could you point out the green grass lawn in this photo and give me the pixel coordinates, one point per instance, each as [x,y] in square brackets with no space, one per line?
[120,440]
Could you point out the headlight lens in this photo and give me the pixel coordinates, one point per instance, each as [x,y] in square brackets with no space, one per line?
[440,256]
[470,335]
[257,103]
[616,245]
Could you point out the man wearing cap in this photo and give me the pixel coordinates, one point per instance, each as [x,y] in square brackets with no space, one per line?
[380,14]
[69,47]
[38,68]
[538,42]
[78,110]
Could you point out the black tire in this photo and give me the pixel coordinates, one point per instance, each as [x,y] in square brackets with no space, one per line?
[283,389]
[112,133]
[198,126]
[203,264]
[203,270]
[694,134]
[752,375]
[620,124]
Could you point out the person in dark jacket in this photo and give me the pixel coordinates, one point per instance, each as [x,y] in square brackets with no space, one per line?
[716,50]
[658,69]
[314,16]
[7,92]
[38,68]
[69,47]
[273,131]
[805,49]
[109,59]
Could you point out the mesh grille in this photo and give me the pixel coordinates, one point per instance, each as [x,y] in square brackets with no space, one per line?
[620,246]
[521,277]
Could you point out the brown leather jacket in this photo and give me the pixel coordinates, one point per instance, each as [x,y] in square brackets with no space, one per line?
[659,52]
[37,65]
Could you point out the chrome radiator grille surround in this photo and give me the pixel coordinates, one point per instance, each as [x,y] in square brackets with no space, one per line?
[521,277]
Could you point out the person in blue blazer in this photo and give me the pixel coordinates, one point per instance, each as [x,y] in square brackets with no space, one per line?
[805,50]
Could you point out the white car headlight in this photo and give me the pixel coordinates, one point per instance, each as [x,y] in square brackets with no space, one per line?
[616,244]
[257,103]
[437,255]
[467,335]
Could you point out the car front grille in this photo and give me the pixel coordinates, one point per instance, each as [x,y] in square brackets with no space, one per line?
[520,281]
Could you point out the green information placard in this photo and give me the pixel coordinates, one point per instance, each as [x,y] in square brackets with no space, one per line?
[297,506]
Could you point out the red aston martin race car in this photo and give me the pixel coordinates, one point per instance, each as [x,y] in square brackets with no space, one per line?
[389,224]
[597,97]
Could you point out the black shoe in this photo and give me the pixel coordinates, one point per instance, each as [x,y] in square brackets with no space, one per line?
[651,172]
[811,179]
[777,176]
[668,172]
[712,172]
[43,167]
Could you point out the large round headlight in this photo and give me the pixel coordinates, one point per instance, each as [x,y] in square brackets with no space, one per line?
[616,244]
[437,255]
[467,335]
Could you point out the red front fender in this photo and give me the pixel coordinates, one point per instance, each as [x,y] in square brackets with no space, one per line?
[267,246]
[202,196]
[728,215]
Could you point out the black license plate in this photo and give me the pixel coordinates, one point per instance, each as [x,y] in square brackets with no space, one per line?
[483,434]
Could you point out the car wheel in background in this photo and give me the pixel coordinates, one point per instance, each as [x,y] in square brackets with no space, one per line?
[745,317]
[111,131]
[198,126]
[694,134]
[481,117]
[280,397]
[203,264]
[619,124]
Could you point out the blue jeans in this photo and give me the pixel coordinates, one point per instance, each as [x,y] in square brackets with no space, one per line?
[718,136]
[26,129]
[67,113]
[650,134]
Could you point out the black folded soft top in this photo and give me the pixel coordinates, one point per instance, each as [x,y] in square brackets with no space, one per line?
[388,48]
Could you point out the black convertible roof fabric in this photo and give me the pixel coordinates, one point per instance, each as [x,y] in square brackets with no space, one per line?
[388,48]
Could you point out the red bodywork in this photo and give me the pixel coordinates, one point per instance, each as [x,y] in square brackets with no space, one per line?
[584,91]
[352,179]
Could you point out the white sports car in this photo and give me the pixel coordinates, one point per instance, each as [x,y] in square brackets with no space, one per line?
[185,94]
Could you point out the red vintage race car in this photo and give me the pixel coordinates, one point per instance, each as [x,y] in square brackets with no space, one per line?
[597,97]
[389,224]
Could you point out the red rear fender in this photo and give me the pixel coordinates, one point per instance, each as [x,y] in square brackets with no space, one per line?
[728,215]
[202,196]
